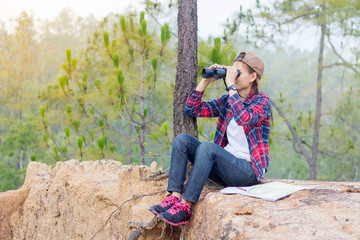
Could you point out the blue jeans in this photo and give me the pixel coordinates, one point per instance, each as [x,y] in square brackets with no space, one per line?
[209,161]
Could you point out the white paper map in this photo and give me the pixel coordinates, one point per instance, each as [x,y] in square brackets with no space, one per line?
[269,191]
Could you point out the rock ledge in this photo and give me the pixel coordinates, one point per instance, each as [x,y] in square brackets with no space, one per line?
[92,200]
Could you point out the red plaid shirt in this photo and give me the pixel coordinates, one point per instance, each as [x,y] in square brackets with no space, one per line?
[253,114]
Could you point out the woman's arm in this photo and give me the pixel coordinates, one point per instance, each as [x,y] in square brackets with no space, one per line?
[197,108]
[259,109]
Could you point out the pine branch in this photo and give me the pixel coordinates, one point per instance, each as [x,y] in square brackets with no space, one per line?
[109,124]
[330,154]
[293,132]
[352,126]
[172,33]
[53,140]
[291,20]
[150,93]
[345,63]
[158,115]
[133,122]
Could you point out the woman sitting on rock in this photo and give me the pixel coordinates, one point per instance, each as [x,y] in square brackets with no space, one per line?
[239,155]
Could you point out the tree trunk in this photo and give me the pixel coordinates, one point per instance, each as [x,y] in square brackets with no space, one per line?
[142,116]
[128,147]
[186,71]
[28,156]
[20,160]
[142,144]
[318,101]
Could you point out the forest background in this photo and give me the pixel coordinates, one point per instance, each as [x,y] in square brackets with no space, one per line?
[79,88]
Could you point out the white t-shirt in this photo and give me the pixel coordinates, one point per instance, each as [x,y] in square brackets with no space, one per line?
[238,145]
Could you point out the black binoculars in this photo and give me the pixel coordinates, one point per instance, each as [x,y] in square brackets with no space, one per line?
[217,73]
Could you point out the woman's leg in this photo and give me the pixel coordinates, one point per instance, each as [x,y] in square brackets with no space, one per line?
[214,162]
[183,149]
[211,161]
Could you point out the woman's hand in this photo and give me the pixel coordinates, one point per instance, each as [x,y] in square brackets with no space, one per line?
[206,81]
[215,65]
[231,75]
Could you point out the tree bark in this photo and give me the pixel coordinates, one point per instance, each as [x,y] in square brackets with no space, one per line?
[28,156]
[186,71]
[20,160]
[318,101]
[142,116]
[128,147]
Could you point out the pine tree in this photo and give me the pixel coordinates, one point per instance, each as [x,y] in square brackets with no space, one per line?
[110,94]
[332,19]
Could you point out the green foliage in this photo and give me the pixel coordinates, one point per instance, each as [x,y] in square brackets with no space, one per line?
[112,148]
[64,150]
[21,137]
[68,55]
[116,60]
[80,143]
[16,150]
[212,135]
[101,123]
[142,16]
[68,109]
[123,24]
[67,132]
[97,83]
[154,64]
[22,75]
[215,52]
[62,82]
[42,112]
[106,39]
[131,23]
[165,126]
[101,142]
[143,24]
[74,62]
[165,34]
[28,61]
[265,25]
[201,129]
[342,139]
[45,138]
[119,87]
[120,77]
[76,125]
[9,178]
[155,136]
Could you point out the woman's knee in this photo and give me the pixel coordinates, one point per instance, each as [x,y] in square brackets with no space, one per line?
[206,149]
[182,139]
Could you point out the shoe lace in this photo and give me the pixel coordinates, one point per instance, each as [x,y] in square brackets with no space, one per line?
[168,200]
[178,207]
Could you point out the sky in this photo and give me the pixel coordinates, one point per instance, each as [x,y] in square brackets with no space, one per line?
[212,14]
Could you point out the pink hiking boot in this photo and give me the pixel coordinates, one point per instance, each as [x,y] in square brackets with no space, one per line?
[178,214]
[167,203]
